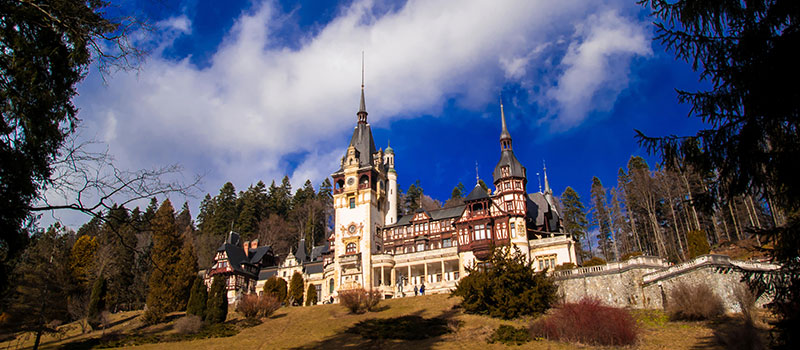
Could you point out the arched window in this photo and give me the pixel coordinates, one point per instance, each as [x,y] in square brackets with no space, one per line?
[363,181]
[330,290]
[350,248]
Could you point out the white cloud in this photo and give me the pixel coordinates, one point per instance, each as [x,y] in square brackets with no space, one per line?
[257,102]
[596,66]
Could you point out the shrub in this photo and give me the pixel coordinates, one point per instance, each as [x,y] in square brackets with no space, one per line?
[404,328]
[627,256]
[697,244]
[311,295]
[296,289]
[371,300]
[217,304]
[353,300]
[506,287]
[197,299]
[509,335]
[587,321]
[594,261]
[565,266]
[248,306]
[693,302]
[189,324]
[276,286]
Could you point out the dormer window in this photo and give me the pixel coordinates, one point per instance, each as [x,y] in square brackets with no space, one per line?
[505,170]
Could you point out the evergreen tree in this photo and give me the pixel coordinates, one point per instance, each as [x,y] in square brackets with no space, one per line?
[296,289]
[184,219]
[458,191]
[600,217]
[197,300]
[165,256]
[97,302]
[574,215]
[311,295]
[225,211]
[205,216]
[217,305]
[697,243]
[276,287]
[413,198]
[150,212]
[747,52]
[185,273]
[247,223]
[82,258]
[118,244]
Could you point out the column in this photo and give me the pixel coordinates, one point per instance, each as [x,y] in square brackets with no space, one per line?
[394,280]
[409,275]
[425,272]
[383,282]
[443,271]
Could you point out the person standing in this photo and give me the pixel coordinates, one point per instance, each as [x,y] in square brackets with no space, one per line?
[422,289]
[416,291]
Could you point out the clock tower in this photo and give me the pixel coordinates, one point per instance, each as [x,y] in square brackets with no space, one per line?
[361,206]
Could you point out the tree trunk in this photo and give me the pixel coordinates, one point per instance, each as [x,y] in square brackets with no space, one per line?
[733,217]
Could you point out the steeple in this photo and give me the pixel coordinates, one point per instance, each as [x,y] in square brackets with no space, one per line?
[362,108]
[546,183]
[505,136]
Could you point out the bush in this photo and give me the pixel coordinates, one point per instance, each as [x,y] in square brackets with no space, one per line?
[197,299]
[565,266]
[248,306]
[509,335]
[693,302]
[594,261]
[627,256]
[276,286]
[697,244]
[587,321]
[217,305]
[311,295]
[371,300]
[353,300]
[190,324]
[296,289]
[506,287]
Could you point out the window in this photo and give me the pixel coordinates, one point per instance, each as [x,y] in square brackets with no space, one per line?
[420,247]
[546,262]
[480,232]
[446,243]
[426,226]
[350,248]
[352,202]
[510,206]
[512,230]
[505,170]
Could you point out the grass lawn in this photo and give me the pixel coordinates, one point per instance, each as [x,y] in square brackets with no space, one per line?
[326,326]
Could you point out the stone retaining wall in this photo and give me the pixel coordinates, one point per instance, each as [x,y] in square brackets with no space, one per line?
[645,281]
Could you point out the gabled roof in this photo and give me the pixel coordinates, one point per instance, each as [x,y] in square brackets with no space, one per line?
[538,207]
[236,257]
[300,253]
[316,252]
[257,254]
[445,213]
[477,193]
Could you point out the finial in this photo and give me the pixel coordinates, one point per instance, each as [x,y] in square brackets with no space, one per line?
[539,177]
[477,177]
[362,108]
[362,69]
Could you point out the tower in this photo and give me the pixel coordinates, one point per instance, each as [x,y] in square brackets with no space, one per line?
[510,183]
[391,194]
[360,204]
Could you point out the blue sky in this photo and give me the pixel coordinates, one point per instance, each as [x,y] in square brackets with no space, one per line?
[244,91]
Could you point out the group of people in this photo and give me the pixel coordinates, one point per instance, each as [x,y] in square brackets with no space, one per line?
[417,290]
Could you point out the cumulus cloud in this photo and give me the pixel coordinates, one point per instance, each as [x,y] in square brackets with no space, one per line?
[258,102]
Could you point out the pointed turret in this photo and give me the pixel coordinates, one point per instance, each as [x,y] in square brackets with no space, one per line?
[505,136]
[362,107]
[508,166]
[546,183]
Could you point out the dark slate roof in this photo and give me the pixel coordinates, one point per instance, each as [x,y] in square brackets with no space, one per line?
[268,272]
[316,253]
[538,207]
[257,254]
[404,220]
[447,212]
[315,267]
[300,253]
[236,257]
[363,142]
[477,193]
[507,158]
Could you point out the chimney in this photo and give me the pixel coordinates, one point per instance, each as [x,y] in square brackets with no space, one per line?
[246,247]
[254,244]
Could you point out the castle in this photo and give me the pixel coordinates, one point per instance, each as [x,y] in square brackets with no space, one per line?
[372,247]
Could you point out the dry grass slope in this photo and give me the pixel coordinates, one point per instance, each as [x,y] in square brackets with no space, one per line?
[326,326]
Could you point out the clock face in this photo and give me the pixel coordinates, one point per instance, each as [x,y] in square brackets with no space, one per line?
[351,181]
[352,229]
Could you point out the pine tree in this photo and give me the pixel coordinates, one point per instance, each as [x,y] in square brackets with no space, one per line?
[217,305]
[296,289]
[165,254]
[276,287]
[247,223]
[311,295]
[184,219]
[574,215]
[97,302]
[600,217]
[413,198]
[118,241]
[82,258]
[197,300]
[185,273]
[697,243]
[225,211]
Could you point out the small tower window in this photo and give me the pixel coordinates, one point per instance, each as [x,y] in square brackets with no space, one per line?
[350,248]
[505,170]
[352,202]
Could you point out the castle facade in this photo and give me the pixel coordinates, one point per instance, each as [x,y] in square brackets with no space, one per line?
[372,247]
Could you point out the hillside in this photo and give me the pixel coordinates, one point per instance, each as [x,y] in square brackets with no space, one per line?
[326,326]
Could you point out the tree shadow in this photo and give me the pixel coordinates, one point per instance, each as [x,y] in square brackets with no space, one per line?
[734,333]
[381,333]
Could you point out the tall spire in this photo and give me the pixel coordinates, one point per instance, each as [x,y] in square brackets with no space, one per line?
[362,108]
[505,136]
[546,183]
